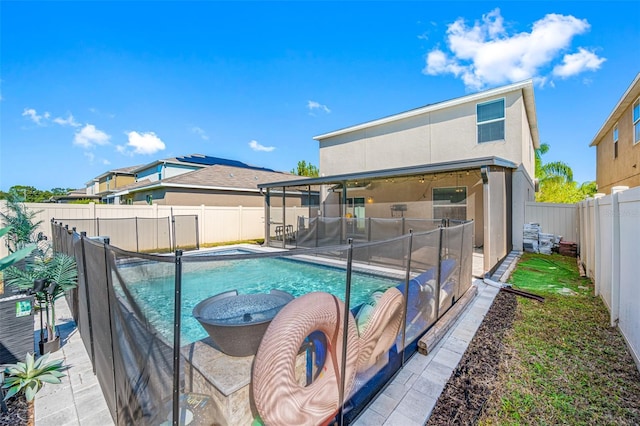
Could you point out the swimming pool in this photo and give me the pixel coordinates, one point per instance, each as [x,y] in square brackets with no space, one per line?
[156,295]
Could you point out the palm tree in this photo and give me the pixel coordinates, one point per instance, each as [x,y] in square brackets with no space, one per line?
[556,171]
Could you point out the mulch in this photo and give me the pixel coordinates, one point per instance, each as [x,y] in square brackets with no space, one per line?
[17,414]
[472,382]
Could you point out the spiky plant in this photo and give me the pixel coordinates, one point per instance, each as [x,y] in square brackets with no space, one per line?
[22,223]
[28,377]
[60,270]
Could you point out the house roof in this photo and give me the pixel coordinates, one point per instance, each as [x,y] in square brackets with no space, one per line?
[449,166]
[525,86]
[200,160]
[629,96]
[219,177]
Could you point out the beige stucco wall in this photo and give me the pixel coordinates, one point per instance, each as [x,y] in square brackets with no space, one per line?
[116,181]
[625,169]
[439,136]
[416,195]
[495,227]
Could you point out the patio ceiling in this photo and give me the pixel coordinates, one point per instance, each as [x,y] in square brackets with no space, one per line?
[450,166]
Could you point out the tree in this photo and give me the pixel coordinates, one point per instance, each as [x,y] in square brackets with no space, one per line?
[556,181]
[305,169]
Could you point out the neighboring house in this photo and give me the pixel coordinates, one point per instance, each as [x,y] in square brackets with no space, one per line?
[467,158]
[75,195]
[108,183]
[216,185]
[618,143]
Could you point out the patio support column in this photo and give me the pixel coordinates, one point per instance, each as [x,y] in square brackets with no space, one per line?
[486,204]
[343,212]
[267,217]
[284,217]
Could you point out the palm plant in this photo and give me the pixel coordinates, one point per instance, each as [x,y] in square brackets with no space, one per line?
[56,275]
[556,170]
[17,256]
[22,223]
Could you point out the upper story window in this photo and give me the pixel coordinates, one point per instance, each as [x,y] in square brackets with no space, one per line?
[615,141]
[490,119]
[636,121]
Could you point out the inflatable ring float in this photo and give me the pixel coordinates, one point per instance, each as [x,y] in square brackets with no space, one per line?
[278,396]
[381,329]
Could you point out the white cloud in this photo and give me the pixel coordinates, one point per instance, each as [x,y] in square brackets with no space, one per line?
[89,136]
[142,143]
[69,121]
[575,63]
[33,115]
[313,105]
[198,131]
[485,54]
[106,162]
[90,156]
[257,147]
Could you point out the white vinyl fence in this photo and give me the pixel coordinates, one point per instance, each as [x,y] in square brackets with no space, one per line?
[610,235]
[215,224]
[557,219]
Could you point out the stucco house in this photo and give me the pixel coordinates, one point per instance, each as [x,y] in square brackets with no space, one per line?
[466,158]
[618,143]
[106,184]
[214,185]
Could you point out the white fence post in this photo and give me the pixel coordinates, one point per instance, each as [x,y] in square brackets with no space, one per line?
[596,246]
[615,254]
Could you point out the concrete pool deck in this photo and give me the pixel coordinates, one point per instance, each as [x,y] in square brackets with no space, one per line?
[407,400]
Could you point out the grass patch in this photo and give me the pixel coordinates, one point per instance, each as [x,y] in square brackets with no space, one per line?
[563,363]
[259,241]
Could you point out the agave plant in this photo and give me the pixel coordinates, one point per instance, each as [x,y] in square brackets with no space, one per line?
[58,273]
[28,377]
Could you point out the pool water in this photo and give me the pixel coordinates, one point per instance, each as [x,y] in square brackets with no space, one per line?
[248,276]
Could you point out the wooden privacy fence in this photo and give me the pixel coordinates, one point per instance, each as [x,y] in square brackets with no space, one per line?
[215,224]
[609,235]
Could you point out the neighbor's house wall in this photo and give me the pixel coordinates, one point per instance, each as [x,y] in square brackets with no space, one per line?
[115,181]
[625,169]
[439,136]
[166,170]
[196,197]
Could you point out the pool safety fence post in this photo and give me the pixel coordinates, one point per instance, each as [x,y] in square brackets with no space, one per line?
[97,226]
[137,236]
[83,235]
[406,296]
[176,338]
[172,232]
[110,306]
[345,329]
[197,231]
[369,229]
[439,271]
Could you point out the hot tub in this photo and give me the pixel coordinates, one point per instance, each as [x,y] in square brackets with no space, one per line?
[236,322]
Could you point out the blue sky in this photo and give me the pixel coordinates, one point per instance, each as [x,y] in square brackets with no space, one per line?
[91,86]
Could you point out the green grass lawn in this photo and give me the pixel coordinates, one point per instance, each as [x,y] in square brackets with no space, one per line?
[563,363]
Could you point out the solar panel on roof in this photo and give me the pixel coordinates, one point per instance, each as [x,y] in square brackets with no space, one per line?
[213,161]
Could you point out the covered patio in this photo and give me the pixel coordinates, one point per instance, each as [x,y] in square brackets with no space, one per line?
[383,204]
